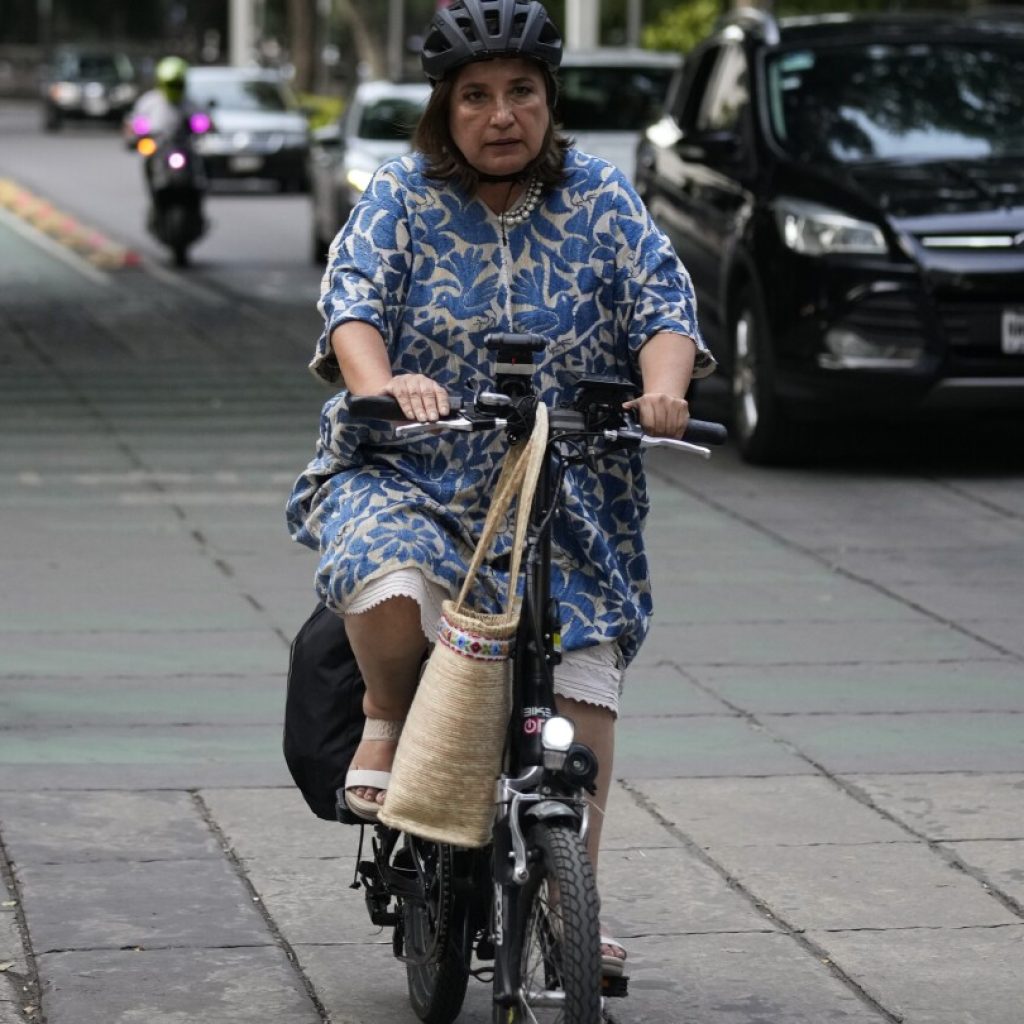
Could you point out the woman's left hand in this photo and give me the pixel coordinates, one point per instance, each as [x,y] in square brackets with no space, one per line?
[660,414]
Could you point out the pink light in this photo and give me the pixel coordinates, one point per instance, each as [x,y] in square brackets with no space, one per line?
[176,160]
[199,122]
[140,125]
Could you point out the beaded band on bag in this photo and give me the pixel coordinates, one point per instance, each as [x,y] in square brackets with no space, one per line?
[472,645]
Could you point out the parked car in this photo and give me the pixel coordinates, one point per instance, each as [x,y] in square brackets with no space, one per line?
[87,85]
[848,196]
[377,125]
[607,97]
[258,129]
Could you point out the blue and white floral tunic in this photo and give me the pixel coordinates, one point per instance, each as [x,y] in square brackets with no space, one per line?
[434,272]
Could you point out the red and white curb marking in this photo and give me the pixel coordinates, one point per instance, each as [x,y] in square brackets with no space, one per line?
[92,245]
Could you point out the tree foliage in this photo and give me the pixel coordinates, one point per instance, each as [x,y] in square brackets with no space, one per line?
[680,28]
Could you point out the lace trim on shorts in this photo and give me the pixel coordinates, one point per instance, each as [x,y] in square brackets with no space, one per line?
[403,583]
[592,675]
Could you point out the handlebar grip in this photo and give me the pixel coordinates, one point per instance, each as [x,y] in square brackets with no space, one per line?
[386,407]
[705,432]
[375,407]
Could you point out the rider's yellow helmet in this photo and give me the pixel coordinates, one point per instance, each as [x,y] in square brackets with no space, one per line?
[169,76]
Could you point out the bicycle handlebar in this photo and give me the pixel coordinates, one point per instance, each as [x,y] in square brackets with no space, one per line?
[385,407]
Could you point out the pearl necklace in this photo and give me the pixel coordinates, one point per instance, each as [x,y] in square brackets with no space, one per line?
[527,204]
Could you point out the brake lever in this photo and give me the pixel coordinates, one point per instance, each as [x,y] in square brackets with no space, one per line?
[636,438]
[456,423]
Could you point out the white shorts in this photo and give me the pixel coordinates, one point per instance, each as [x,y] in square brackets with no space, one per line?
[593,674]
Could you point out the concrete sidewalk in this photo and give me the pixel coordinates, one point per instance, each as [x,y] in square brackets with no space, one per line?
[819,813]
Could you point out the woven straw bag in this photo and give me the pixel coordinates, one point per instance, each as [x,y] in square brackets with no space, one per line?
[450,753]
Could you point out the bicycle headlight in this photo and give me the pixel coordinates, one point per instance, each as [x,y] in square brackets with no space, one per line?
[815,230]
[556,737]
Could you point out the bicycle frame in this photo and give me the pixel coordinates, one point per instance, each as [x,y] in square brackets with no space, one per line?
[541,781]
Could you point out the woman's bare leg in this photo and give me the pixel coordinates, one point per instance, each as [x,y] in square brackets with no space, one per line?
[389,645]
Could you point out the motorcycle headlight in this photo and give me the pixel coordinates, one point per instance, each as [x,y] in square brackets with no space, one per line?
[815,230]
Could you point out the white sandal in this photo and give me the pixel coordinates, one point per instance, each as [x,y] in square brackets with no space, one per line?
[374,729]
[613,966]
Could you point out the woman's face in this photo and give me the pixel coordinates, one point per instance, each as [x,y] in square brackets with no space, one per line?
[499,114]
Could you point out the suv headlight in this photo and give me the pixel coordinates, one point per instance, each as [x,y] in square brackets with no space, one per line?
[358,178]
[815,230]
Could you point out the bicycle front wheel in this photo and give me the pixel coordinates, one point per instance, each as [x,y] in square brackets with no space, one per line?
[560,955]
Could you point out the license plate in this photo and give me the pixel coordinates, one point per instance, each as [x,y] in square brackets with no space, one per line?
[1013,332]
[96,106]
[245,164]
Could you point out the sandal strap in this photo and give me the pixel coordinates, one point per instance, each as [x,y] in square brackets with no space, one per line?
[367,777]
[382,729]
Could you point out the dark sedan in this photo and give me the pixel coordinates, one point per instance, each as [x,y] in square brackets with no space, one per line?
[87,85]
[258,130]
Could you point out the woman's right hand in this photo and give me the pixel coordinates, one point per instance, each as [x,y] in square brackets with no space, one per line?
[421,398]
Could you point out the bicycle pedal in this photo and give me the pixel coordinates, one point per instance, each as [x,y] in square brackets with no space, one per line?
[615,987]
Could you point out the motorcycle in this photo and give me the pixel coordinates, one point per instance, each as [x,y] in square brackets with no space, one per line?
[177,183]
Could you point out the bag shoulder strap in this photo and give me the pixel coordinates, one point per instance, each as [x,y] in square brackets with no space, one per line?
[517,482]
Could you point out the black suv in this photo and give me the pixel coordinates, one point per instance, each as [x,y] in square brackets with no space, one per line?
[848,196]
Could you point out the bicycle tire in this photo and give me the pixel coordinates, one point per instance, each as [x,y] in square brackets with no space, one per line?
[560,951]
[437,972]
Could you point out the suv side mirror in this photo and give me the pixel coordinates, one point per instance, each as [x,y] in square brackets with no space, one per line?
[716,147]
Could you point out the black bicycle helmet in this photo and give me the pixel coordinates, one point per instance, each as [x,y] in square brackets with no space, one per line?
[471,30]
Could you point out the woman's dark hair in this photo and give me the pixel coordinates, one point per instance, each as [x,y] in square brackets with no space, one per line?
[445,162]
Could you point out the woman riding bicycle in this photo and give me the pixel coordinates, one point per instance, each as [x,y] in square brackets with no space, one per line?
[495,223]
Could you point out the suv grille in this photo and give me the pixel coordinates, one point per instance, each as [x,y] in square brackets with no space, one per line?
[887,319]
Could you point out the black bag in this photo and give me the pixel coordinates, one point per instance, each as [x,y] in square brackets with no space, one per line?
[323,712]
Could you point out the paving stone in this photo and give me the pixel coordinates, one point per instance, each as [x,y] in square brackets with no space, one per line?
[975,685]
[999,862]
[149,904]
[670,892]
[951,805]
[698,746]
[735,979]
[55,828]
[886,885]
[175,986]
[145,654]
[937,976]
[779,811]
[925,742]
[788,643]
[228,700]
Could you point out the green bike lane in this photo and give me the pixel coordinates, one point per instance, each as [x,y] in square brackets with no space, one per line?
[821,759]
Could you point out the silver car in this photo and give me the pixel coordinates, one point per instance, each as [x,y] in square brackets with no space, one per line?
[608,96]
[377,125]
[258,130]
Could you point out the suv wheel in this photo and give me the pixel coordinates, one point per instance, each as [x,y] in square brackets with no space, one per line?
[758,424]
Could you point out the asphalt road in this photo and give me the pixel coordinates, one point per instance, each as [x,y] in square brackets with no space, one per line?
[258,242]
[819,807]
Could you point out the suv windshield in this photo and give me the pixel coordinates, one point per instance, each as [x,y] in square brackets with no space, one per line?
[902,102]
[238,93]
[389,120]
[95,67]
[618,99]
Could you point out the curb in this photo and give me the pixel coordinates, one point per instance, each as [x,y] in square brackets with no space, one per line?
[96,247]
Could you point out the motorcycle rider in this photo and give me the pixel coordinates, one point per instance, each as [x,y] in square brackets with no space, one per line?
[160,112]
[164,120]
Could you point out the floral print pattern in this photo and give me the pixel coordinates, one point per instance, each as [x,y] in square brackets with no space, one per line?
[436,271]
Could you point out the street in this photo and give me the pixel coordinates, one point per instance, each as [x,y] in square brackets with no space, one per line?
[818,813]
